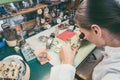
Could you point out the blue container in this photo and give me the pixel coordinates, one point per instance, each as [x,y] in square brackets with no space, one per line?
[2,43]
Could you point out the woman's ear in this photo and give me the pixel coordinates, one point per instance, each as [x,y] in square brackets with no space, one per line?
[96,30]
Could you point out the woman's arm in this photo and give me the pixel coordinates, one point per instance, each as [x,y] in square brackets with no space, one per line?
[66,70]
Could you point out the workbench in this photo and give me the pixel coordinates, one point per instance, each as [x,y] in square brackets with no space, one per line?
[42,72]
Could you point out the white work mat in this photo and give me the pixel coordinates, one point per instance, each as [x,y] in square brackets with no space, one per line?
[35,44]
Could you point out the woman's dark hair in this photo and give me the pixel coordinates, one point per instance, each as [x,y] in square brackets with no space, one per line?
[105,13]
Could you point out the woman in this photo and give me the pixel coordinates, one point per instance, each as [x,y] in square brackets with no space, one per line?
[99,21]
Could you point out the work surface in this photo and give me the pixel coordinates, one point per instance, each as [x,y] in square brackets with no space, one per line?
[83,52]
[42,72]
[35,44]
[37,71]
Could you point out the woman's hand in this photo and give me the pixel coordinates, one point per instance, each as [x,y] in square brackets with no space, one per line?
[67,54]
[42,56]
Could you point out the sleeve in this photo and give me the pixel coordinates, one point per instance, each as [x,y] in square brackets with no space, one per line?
[111,76]
[62,72]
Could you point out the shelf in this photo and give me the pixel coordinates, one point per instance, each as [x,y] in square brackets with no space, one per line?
[24,11]
[27,24]
[27,10]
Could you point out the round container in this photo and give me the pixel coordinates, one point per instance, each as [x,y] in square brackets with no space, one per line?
[11,43]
